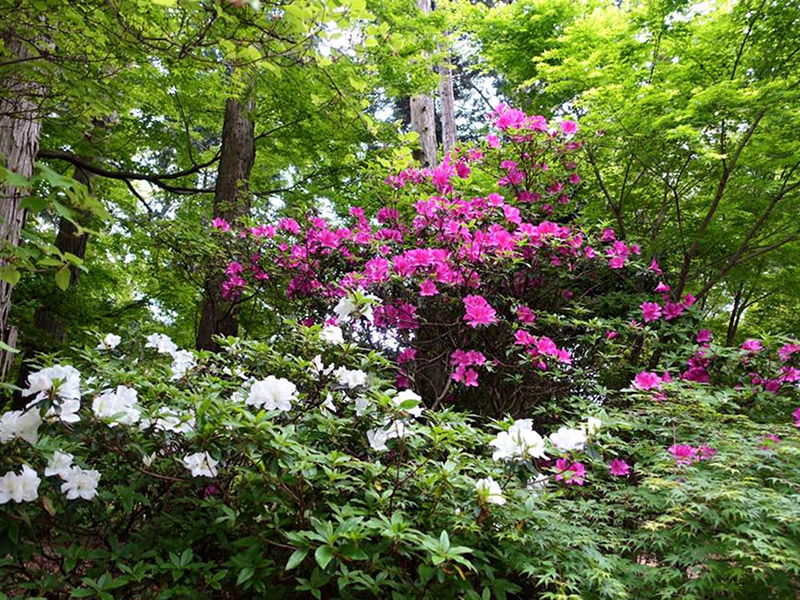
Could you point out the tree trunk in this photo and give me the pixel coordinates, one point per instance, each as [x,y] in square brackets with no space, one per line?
[20,130]
[448,116]
[423,117]
[231,202]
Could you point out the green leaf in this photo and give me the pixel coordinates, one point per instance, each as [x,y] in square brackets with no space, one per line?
[34,204]
[323,556]
[10,275]
[245,575]
[63,276]
[444,541]
[5,347]
[186,557]
[295,559]
[14,179]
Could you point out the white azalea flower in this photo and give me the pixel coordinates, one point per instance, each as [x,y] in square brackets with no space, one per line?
[80,483]
[568,439]
[489,491]
[350,379]
[272,394]
[405,396]
[519,442]
[117,407]
[593,425]
[20,488]
[162,343]
[59,464]
[319,368]
[63,381]
[66,410]
[201,464]
[147,459]
[331,334]
[19,424]
[377,439]
[345,308]
[182,361]
[363,406]
[397,429]
[109,342]
[328,404]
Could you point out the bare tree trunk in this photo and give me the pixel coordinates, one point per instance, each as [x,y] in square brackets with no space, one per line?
[20,130]
[423,116]
[231,202]
[733,320]
[448,116]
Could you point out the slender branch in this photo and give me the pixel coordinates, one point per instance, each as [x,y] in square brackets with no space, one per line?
[156,179]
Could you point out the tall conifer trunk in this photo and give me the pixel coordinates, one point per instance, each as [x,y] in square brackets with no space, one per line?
[448,115]
[423,117]
[20,131]
[232,203]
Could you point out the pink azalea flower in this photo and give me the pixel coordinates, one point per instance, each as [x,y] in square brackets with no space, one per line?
[478,311]
[493,141]
[654,266]
[525,314]
[569,127]
[221,224]
[706,453]
[683,453]
[608,235]
[428,288]
[647,381]
[752,345]
[289,225]
[234,268]
[672,310]
[570,473]
[661,288]
[796,415]
[619,468]
[786,351]
[651,311]
[611,335]
[703,336]
[407,355]
[262,231]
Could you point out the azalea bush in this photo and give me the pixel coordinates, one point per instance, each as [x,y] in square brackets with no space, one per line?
[475,273]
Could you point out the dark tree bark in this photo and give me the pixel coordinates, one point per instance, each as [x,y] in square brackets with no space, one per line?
[20,131]
[232,203]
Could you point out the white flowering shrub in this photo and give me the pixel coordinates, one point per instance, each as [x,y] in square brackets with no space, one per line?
[295,470]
